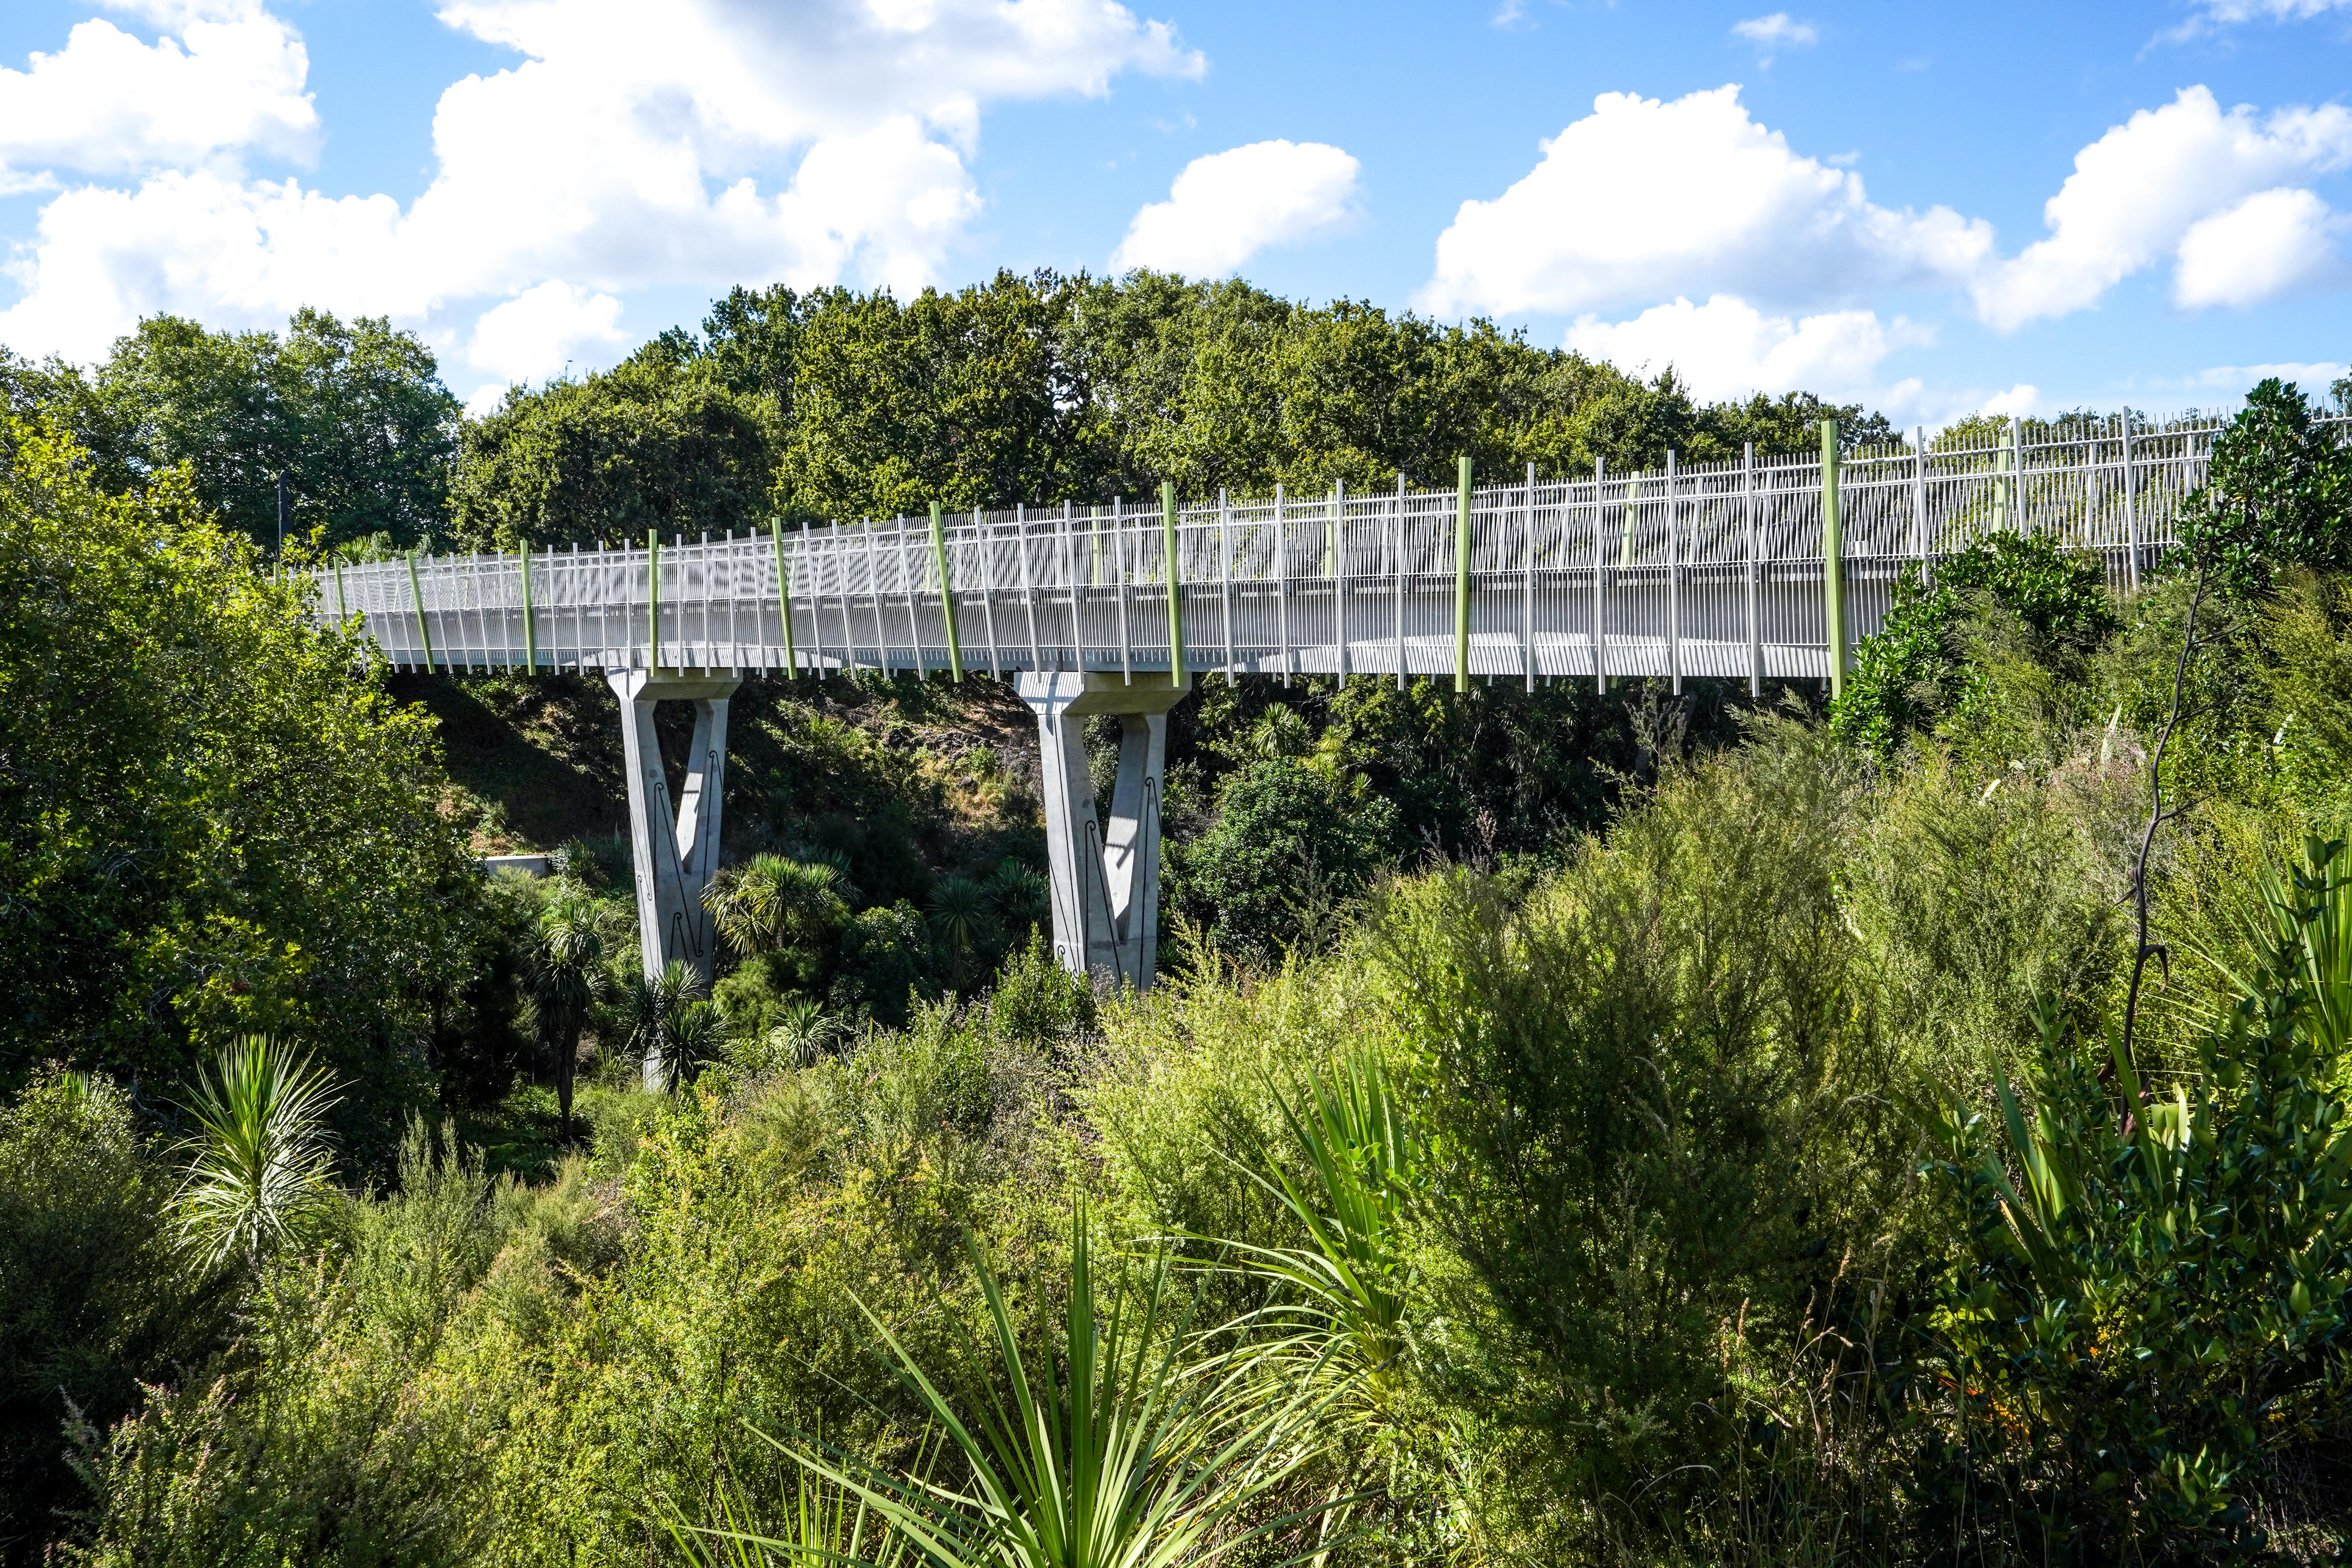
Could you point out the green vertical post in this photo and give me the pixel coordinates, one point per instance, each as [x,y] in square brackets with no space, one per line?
[1175,586]
[784,597]
[529,637]
[653,599]
[417,597]
[946,593]
[1461,577]
[1832,560]
[342,609]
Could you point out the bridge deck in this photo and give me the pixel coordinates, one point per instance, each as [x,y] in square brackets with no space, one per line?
[1699,571]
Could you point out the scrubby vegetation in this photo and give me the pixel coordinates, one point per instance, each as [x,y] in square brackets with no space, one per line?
[1567,1129]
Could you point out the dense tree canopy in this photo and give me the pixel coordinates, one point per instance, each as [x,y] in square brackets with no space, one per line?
[653,444]
[212,817]
[352,415]
[1042,388]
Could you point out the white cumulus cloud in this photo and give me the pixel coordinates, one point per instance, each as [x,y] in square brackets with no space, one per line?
[1226,207]
[1644,199]
[109,104]
[2272,243]
[535,334]
[700,142]
[1729,348]
[1779,31]
[2137,191]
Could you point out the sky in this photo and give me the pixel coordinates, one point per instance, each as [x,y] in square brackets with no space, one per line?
[1930,210]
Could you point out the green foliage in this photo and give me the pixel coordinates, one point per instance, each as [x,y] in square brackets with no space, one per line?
[1036,1004]
[258,1162]
[1108,1452]
[352,1428]
[2279,495]
[210,805]
[1289,840]
[773,901]
[1639,1125]
[353,414]
[810,1524]
[886,959]
[2163,1295]
[567,977]
[92,1301]
[1926,665]
[647,446]
[1340,1318]
[1044,387]
[2302,684]
[673,1028]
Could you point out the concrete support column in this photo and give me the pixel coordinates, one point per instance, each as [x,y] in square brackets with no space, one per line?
[675,846]
[1106,875]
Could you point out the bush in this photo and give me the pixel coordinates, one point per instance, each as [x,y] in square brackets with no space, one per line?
[1642,1086]
[2155,1303]
[92,1297]
[1291,841]
[362,1418]
[2013,597]
[886,957]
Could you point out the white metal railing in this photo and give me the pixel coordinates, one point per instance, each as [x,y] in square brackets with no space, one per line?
[1701,570]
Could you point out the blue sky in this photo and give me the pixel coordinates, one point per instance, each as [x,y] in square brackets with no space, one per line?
[1933,209]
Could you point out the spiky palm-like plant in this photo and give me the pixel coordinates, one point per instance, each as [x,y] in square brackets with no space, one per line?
[805,1033]
[817,1524]
[1018,897]
[773,901]
[667,1011]
[959,919]
[257,1160]
[1113,1453]
[567,975]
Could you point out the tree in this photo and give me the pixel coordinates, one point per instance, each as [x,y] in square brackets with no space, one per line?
[1288,836]
[353,416]
[658,443]
[213,819]
[566,977]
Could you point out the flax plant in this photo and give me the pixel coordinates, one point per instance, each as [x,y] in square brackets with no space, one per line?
[1341,1320]
[1116,1453]
[820,1524]
[258,1162]
[2305,913]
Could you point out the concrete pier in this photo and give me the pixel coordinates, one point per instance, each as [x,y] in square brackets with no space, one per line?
[1105,873]
[674,846]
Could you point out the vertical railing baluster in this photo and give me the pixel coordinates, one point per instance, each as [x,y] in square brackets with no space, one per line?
[1599,580]
[1282,581]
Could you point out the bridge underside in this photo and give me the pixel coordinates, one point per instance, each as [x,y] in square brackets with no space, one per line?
[1104,867]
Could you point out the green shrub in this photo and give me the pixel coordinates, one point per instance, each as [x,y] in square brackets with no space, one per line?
[2011,599]
[1646,1108]
[1290,842]
[346,1428]
[1036,1003]
[886,957]
[2155,1302]
[93,1296]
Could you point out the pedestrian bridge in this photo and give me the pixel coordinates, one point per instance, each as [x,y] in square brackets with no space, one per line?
[1761,568]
